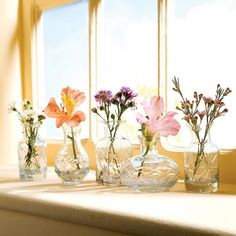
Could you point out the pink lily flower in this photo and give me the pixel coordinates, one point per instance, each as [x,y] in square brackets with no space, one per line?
[155,120]
[71,98]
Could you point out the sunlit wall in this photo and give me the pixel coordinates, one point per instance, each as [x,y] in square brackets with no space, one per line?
[10,77]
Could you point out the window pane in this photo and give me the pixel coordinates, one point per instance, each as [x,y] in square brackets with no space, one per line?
[202,49]
[129,49]
[65,41]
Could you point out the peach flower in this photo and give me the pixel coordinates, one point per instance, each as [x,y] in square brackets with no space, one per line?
[71,99]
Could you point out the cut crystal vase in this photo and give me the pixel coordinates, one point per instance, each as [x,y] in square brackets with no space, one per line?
[32,158]
[110,154]
[72,163]
[201,166]
[149,171]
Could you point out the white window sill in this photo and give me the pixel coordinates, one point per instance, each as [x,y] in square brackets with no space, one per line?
[48,208]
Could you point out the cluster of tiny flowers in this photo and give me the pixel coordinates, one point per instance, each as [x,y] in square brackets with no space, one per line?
[27,115]
[212,108]
[111,107]
[122,100]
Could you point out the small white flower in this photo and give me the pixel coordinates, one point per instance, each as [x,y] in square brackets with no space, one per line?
[12,107]
[30,112]
[28,117]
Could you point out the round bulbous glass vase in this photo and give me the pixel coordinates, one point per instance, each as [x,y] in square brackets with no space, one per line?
[149,171]
[32,158]
[201,167]
[110,154]
[72,162]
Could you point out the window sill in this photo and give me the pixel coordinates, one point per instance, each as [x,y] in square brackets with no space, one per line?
[47,207]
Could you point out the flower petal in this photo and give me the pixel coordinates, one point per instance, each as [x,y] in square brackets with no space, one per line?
[79,97]
[155,108]
[71,98]
[141,119]
[53,110]
[60,120]
[75,120]
[157,105]
[147,109]
[166,125]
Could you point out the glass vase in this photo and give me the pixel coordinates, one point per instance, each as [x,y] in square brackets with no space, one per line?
[72,163]
[32,158]
[149,171]
[110,154]
[201,167]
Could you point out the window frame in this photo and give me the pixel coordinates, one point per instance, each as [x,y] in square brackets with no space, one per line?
[32,33]
[32,10]
[163,81]
[32,64]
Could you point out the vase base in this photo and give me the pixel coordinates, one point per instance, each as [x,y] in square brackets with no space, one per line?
[201,187]
[71,178]
[150,186]
[99,181]
[110,184]
[31,175]
[69,183]
[110,180]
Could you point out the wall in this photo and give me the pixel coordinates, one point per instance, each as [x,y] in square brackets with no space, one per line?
[10,77]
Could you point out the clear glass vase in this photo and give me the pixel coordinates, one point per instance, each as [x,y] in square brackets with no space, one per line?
[201,167]
[32,158]
[72,162]
[149,171]
[110,154]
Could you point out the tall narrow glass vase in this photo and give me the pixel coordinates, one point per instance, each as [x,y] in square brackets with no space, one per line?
[72,163]
[110,154]
[201,167]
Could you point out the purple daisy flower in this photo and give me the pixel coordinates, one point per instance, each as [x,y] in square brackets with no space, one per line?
[128,92]
[103,96]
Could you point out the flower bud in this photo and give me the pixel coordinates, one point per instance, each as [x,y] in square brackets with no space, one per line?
[201,114]
[41,117]
[94,110]
[219,103]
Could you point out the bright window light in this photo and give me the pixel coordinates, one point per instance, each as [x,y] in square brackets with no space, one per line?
[65,49]
[129,50]
[201,52]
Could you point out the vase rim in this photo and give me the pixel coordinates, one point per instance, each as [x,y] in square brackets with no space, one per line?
[105,122]
[151,138]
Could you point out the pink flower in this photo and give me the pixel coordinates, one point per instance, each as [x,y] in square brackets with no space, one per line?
[201,114]
[154,119]
[71,98]
[219,103]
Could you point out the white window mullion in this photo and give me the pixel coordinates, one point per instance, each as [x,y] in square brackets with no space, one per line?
[94,52]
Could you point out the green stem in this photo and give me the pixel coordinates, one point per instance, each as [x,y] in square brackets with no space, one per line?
[147,142]
[30,135]
[112,149]
[111,146]
[73,145]
[200,154]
